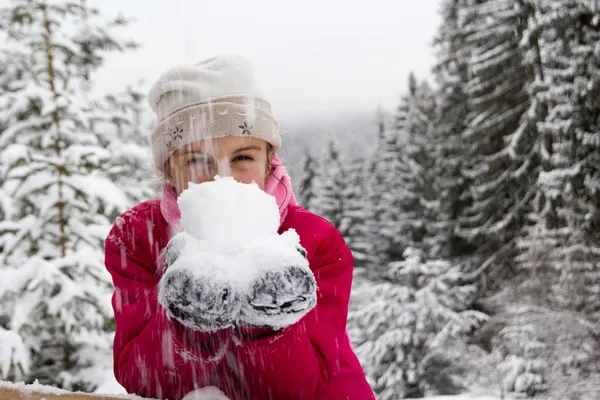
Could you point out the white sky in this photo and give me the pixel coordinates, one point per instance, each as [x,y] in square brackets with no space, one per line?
[311,57]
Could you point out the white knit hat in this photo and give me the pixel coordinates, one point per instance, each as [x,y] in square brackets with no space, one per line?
[215,98]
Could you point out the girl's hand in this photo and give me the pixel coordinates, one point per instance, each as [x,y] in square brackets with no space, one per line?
[281,294]
[279,298]
[195,288]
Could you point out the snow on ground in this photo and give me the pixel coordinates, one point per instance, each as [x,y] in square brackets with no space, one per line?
[111,386]
[471,396]
[50,391]
[115,390]
[21,387]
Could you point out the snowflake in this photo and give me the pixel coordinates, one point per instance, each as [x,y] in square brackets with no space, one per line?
[174,134]
[245,128]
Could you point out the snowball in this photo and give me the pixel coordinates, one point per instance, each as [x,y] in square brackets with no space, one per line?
[237,219]
[227,212]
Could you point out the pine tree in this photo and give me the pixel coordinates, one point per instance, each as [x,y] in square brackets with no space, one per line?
[565,236]
[381,188]
[541,349]
[306,193]
[56,299]
[450,123]
[119,125]
[497,100]
[328,201]
[357,211]
[558,277]
[401,331]
[416,118]
[9,72]
[370,247]
[407,186]
[580,186]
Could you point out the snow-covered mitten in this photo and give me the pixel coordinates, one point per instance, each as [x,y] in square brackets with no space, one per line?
[174,249]
[234,231]
[196,288]
[283,288]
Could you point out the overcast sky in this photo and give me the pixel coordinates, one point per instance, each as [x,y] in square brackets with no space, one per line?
[310,56]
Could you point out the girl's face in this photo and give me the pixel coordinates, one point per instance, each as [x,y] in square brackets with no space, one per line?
[245,159]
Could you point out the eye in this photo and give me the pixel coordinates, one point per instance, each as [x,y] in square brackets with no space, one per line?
[199,160]
[243,157]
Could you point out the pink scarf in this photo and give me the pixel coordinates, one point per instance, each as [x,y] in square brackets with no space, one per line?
[278,184]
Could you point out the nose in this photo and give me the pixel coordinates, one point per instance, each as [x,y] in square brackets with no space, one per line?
[224,168]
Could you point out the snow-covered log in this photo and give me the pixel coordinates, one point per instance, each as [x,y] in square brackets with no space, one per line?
[21,391]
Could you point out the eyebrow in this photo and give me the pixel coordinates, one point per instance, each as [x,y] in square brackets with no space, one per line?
[241,149]
[247,148]
[186,152]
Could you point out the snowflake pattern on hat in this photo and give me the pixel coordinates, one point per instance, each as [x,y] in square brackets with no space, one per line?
[246,129]
[174,134]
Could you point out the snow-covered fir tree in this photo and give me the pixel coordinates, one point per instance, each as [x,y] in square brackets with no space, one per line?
[448,150]
[367,246]
[497,99]
[415,121]
[55,291]
[119,123]
[539,339]
[9,72]
[512,159]
[539,350]
[381,189]
[570,180]
[404,333]
[357,210]
[306,192]
[407,189]
[330,184]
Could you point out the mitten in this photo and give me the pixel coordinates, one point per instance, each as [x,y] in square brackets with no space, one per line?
[283,288]
[196,288]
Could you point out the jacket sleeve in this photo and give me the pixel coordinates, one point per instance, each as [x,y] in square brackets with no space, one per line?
[299,361]
[154,356]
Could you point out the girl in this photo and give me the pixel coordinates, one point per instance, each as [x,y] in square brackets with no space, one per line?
[214,121]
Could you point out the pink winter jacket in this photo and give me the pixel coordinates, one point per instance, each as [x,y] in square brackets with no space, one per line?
[157,357]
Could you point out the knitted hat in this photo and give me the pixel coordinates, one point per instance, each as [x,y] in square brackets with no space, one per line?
[215,98]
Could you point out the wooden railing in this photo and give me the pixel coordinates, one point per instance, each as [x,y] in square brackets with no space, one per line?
[16,391]
[19,391]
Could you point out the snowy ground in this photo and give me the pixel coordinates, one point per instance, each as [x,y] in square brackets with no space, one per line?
[111,386]
[464,397]
[114,389]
